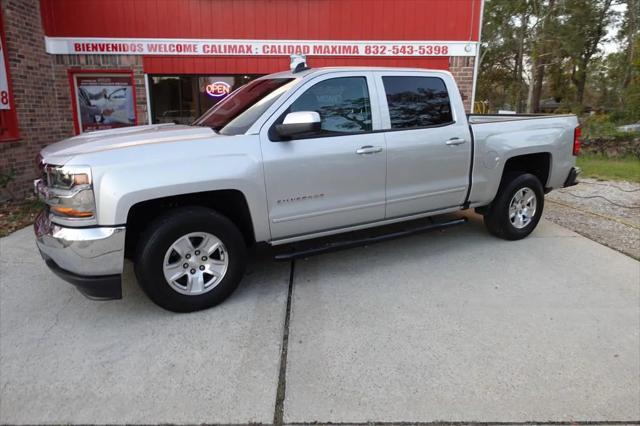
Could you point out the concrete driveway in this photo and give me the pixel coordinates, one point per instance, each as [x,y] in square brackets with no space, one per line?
[449,326]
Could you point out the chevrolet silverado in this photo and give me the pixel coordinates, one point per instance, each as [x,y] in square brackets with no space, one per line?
[288,157]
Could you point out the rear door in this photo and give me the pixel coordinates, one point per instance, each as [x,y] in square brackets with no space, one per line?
[332,179]
[428,142]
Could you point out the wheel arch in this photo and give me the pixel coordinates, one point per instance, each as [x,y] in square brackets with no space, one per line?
[537,164]
[231,203]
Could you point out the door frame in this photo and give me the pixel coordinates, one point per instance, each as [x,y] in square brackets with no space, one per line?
[299,90]
[456,125]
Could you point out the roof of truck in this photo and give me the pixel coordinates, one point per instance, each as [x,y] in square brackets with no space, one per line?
[321,70]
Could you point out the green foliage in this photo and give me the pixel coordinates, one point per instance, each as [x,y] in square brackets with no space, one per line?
[7,178]
[596,166]
[546,56]
[602,126]
[631,94]
[501,82]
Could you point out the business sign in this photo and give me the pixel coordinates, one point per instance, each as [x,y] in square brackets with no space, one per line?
[5,98]
[104,101]
[218,89]
[214,47]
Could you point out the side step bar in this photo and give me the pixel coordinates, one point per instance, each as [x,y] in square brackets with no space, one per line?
[341,245]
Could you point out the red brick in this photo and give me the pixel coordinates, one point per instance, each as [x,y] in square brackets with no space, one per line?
[462,69]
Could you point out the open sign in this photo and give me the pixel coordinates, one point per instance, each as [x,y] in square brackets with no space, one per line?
[218,89]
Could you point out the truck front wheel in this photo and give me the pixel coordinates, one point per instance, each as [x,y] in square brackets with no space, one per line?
[517,208]
[189,259]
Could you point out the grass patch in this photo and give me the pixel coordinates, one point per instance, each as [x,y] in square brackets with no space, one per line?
[15,215]
[601,167]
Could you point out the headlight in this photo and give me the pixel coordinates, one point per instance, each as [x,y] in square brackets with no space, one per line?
[68,178]
[68,191]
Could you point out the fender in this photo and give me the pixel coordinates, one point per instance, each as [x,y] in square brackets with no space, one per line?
[177,168]
[497,143]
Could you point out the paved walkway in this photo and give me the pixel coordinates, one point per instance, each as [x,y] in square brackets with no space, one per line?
[449,326]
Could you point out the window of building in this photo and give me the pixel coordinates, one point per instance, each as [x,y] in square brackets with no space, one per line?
[102,99]
[417,102]
[343,104]
[183,98]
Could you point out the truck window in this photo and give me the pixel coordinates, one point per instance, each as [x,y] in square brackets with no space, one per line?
[416,102]
[235,114]
[343,104]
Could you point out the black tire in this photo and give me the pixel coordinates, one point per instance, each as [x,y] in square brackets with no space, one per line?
[496,217]
[158,237]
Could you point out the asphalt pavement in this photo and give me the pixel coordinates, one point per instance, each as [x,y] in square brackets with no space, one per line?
[453,326]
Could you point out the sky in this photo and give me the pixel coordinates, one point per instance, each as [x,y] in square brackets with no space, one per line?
[612,45]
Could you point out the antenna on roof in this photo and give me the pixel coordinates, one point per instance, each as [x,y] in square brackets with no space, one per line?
[298,63]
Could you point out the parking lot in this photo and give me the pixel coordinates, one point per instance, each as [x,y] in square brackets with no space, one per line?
[453,326]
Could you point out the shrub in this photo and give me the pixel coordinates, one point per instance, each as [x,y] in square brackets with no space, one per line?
[602,127]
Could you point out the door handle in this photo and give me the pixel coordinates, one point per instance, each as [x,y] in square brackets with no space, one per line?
[455,141]
[368,149]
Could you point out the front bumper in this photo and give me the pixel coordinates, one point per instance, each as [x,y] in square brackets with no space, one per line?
[89,258]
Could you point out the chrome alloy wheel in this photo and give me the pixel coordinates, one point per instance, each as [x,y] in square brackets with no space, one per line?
[195,263]
[522,207]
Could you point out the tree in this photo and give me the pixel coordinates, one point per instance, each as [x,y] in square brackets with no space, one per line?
[631,104]
[613,78]
[505,52]
[585,24]
[629,36]
[551,50]
[629,61]
[542,51]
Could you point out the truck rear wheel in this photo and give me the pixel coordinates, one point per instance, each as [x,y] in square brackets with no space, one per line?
[189,259]
[517,208]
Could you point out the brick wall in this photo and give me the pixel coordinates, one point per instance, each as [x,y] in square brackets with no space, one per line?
[41,90]
[462,69]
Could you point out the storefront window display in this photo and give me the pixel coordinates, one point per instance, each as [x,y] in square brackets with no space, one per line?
[183,98]
[103,100]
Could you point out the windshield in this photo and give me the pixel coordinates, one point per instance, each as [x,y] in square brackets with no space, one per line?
[235,114]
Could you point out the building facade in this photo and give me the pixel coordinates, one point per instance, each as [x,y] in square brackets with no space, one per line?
[73,66]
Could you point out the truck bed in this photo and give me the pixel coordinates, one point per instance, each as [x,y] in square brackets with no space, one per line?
[499,137]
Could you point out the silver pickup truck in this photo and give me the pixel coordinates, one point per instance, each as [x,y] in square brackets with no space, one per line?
[288,157]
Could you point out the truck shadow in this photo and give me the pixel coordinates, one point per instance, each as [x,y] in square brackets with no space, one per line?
[265,276]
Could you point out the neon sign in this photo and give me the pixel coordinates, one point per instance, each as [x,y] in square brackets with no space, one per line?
[218,89]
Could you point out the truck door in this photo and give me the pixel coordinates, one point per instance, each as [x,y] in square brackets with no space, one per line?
[428,142]
[334,177]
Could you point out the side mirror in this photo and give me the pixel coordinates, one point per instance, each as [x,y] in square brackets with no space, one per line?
[298,123]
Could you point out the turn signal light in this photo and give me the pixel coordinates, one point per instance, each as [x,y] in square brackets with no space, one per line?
[577,133]
[70,212]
